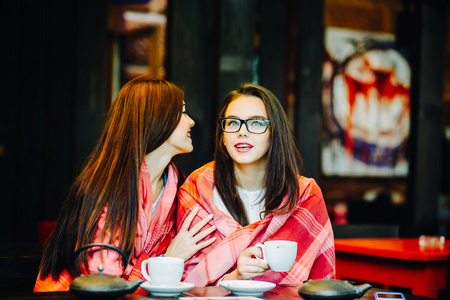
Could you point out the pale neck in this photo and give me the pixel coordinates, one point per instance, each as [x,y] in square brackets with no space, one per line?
[250,178]
[157,162]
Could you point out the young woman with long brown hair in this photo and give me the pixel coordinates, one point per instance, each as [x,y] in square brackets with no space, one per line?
[125,196]
[256,192]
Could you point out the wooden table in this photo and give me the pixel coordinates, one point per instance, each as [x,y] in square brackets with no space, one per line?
[280,292]
[393,262]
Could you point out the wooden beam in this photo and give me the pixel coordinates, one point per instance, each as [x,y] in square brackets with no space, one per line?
[236,46]
[274,38]
[310,46]
[428,55]
[211,50]
[192,40]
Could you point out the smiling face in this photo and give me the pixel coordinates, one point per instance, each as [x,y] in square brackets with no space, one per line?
[244,147]
[180,140]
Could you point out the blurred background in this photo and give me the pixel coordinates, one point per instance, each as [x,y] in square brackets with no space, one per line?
[365,84]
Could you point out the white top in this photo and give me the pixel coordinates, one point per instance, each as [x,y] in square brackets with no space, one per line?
[251,200]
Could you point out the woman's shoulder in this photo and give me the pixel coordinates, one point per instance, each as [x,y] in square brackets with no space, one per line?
[206,170]
[199,180]
[306,180]
[308,184]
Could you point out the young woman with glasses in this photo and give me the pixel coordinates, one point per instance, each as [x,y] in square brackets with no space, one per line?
[256,193]
[126,194]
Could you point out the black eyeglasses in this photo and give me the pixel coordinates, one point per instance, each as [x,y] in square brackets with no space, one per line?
[232,125]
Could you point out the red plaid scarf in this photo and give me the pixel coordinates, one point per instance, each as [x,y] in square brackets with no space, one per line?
[308,225]
[152,237]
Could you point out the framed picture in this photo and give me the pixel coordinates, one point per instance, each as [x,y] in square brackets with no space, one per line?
[366,105]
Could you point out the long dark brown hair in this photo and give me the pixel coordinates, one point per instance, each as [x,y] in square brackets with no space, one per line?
[141,118]
[284,164]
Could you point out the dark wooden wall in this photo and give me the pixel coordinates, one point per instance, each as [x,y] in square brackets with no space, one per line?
[52,87]
[212,50]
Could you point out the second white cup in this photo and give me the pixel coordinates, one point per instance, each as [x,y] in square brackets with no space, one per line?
[163,271]
[279,255]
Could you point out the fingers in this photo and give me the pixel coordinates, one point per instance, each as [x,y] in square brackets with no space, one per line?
[187,222]
[248,266]
[187,241]
[254,251]
[253,271]
[196,228]
[249,271]
[205,243]
[204,233]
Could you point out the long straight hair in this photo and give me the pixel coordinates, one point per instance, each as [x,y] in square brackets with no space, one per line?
[141,118]
[284,163]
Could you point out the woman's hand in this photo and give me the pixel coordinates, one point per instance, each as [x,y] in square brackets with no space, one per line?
[248,266]
[185,244]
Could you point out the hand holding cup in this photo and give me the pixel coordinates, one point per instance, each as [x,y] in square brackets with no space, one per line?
[279,255]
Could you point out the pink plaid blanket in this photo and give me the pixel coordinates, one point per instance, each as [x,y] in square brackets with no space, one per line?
[152,237]
[308,225]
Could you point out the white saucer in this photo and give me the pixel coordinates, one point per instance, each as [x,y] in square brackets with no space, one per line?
[166,291]
[247,287]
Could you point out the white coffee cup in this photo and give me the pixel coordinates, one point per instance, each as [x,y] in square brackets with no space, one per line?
[163,271]
[279,255]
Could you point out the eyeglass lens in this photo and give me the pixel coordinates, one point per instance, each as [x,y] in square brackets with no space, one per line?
[253,125]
